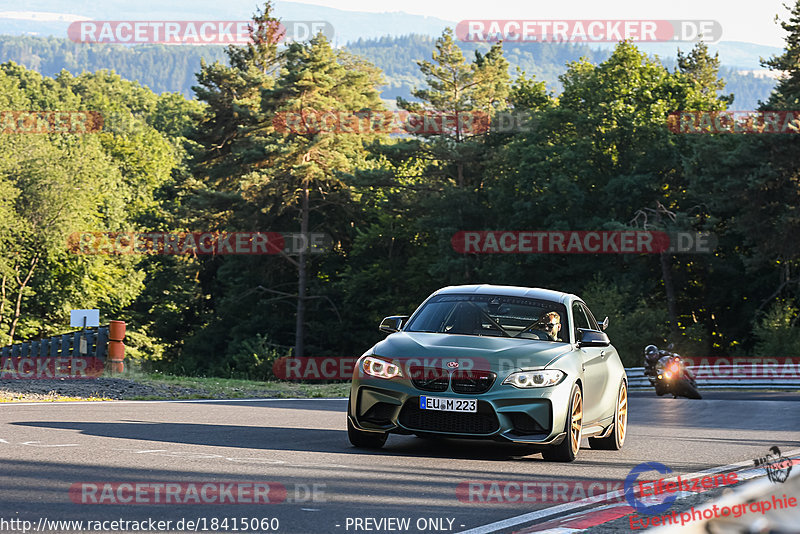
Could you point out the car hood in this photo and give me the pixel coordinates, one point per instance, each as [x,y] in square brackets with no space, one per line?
[477,352]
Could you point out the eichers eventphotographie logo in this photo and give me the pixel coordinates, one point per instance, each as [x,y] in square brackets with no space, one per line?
[777,467]
[588,31]
[224,32]
[50,122]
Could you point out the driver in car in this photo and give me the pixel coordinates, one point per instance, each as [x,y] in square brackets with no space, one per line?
[550,323]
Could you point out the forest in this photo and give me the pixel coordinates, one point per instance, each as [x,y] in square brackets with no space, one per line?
[601,158]
[164,68]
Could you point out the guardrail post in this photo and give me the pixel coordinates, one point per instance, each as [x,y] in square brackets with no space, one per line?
[102,343]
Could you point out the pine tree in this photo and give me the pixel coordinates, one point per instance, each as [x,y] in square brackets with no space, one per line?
[298,171]
[787,93]
[704,73]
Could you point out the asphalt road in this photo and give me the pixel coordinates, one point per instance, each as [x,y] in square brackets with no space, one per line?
[46,449]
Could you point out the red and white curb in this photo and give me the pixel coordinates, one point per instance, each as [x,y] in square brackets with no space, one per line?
[604,513]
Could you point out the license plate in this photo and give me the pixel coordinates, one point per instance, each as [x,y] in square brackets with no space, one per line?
[448,405]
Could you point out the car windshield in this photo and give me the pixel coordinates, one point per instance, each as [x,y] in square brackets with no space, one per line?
[492,315]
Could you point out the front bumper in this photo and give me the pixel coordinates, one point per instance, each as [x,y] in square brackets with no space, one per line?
[534,416]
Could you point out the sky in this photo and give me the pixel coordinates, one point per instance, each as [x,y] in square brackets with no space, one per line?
[742,20]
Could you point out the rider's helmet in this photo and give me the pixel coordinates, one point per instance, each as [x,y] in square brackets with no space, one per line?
[651,353]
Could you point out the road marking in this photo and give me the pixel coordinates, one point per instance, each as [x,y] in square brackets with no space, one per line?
[262,461]
[568,507]
[193,401]
[36,444]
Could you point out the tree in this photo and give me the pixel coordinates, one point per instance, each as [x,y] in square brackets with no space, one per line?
[294,170]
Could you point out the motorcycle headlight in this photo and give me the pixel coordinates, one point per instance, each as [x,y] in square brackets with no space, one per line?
[381,368]
[534,379]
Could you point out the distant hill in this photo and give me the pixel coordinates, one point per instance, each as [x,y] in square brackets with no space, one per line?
[172,68]
[52,17]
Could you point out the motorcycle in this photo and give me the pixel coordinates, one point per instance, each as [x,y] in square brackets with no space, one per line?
[672,376]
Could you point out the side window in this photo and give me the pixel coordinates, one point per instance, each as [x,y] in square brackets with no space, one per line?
[592,321]
[579,317]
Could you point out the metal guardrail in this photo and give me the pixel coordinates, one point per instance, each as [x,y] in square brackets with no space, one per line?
[63,346]
[752,376]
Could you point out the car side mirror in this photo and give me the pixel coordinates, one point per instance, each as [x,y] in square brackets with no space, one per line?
[604,324]
[393,323]
[592,338]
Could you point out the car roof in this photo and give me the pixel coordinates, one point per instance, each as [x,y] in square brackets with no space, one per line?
[509,291]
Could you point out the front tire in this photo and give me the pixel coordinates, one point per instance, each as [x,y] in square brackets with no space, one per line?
[615,440]
[365,440]
[690,392]
[567,450]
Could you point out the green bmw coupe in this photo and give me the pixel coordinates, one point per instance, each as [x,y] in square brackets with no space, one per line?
[512,364]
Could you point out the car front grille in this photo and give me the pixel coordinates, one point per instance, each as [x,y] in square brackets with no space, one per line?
[429,378]
[472,381]
[462,381]
[482,422]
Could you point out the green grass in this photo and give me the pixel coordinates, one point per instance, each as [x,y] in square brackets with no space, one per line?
[170,387]
[232,388]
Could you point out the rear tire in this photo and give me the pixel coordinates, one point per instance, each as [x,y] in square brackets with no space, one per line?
[365,440]
[615,440]
[567,450]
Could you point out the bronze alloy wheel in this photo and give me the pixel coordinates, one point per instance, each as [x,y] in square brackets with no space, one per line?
[567,449]
[615,440]
[622,414]
[575,421]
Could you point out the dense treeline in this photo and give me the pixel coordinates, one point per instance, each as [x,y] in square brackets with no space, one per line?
[161,68]
[600,158]
[172,68]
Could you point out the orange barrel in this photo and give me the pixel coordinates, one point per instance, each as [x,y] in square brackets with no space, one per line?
[116,348]
[116,330]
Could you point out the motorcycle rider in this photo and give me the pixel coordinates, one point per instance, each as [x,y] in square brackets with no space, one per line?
[652,355]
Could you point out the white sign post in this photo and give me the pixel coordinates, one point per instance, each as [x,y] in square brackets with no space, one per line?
[84,319]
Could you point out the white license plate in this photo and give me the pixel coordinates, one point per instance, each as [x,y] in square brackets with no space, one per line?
[448,405]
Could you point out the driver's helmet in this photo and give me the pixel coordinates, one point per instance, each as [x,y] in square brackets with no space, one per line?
[651,353]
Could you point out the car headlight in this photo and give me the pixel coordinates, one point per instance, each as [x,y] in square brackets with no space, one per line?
[381,368]
[534,379]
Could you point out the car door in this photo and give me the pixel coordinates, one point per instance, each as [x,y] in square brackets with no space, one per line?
[595,370]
